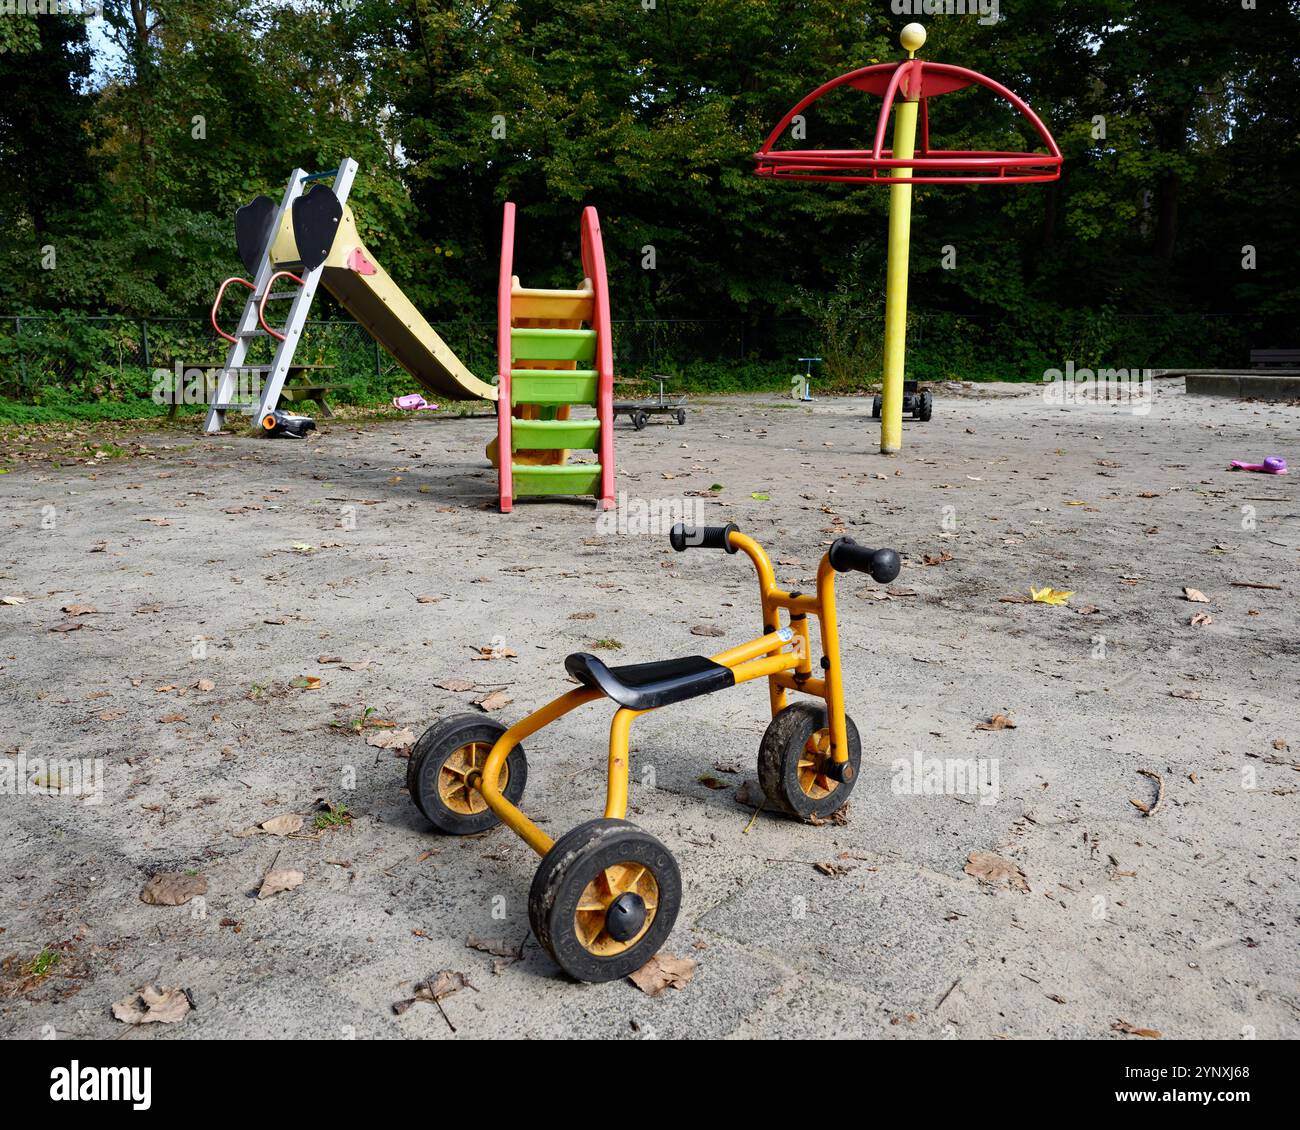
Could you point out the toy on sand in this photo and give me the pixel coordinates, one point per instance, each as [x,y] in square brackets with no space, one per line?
[1273,465]
[606,894]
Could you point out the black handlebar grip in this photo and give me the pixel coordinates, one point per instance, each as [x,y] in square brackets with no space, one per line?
[882,565]
[703,537]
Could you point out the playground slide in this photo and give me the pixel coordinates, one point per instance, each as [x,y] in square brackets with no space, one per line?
[555,346]
[321,230]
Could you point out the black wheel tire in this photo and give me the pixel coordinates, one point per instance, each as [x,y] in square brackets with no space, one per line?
[927,406]
[436,745]
[877,406]
[681,415]
[573,862]
[783,746]
[639,420]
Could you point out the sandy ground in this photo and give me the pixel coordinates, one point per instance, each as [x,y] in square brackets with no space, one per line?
[220,574]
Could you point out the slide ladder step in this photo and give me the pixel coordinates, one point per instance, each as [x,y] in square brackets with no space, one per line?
[528,344]
[555,435]
[552,386]
[553,305]
[572,478]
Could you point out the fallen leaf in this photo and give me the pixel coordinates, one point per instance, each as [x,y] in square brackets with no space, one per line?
[1129,1030]
[306,683]
[1196,595]
[427,599]
[1050,595]
[997,722]
[1191,696]
[151,1005]
[834,870]
[707,630]
[205,685]
[582,616]
[498,947]
[441,985]
[392,739]
[280,880]
[663,971]
[1200,618]
[943,557]
[173,888]
[491,652]
[456,684]
[284,825]
[80,609]
[329,659]
[494,701]
[168,719]
[990,868]
[12,600]
[67,626]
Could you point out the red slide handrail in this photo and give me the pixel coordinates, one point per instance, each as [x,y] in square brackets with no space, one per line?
[505,358]
[261,306]
[593,264]
[216,305]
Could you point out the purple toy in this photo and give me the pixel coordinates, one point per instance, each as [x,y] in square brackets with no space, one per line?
[1273,465]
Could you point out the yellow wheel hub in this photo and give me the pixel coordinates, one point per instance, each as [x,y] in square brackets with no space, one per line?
[589,919]
[454,788]
[812,766]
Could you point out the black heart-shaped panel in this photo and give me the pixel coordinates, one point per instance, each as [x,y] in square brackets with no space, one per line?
[316,219]
[252,229]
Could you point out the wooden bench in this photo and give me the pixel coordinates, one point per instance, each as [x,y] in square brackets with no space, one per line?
[1269,358]
[299,385]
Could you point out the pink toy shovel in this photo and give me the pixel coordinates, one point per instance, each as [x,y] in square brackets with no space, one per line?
[1273,465]
[413,402]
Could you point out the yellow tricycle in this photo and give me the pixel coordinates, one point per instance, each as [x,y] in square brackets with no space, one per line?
[606,894]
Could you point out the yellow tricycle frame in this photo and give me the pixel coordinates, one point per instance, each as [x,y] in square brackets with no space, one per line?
[782,655]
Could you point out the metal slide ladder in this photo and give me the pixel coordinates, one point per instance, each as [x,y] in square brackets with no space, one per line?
[251,323]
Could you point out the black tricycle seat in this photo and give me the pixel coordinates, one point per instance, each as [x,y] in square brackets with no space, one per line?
[646,686]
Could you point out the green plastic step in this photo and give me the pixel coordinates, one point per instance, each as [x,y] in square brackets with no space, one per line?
[555,435]
[552,386]
[553,345]
[573,478]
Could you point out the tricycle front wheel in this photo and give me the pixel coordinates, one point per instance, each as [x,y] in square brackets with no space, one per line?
[795,767]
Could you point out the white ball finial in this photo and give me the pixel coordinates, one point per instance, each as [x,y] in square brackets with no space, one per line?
[912,38]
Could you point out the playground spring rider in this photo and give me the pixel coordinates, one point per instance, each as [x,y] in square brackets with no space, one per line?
[606,894]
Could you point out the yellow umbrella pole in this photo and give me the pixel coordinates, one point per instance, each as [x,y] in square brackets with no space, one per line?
[900,234]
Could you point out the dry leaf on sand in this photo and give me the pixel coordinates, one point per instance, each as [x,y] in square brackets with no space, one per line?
[284,825]
[1131,1030]
[151,1005]
[1196,596]
[1049,595]
[173,888]
[279,880]
[494,701]
[990,868]
[392,739]
[661,972]
[997,722]
[456,684]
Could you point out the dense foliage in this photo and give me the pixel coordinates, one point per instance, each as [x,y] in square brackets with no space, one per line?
[128,141]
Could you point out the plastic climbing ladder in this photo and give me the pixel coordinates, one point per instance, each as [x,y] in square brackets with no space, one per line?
[555,353]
